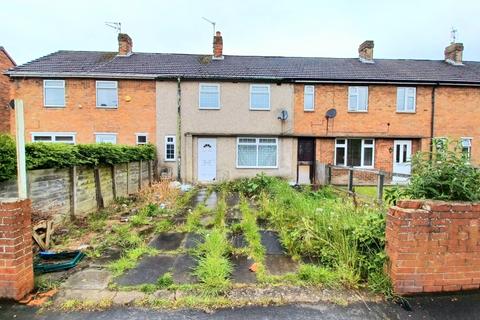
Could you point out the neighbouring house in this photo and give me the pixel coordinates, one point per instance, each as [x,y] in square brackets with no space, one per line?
[77,97]
[6,62]
[216,117]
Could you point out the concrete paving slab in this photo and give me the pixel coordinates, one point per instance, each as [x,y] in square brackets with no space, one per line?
[241,272]
[280,264]
[199,198]
[167,240]
[193,240]
[88,279]
[232,199]
[238,240]
[271,242]
[84,295]
[183,268]
[211,202]
[148,270]
[108,255]
[128,297]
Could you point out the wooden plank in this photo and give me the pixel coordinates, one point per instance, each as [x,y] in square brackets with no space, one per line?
[139,175]
[150,173]
[114,182]
[73,192]
[98,189]
[128,178]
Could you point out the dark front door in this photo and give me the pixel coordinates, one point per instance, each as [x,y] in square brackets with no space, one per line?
[306,160]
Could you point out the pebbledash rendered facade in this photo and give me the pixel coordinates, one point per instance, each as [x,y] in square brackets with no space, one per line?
[216,117]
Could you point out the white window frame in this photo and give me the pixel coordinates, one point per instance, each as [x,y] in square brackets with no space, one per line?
[362,152]
[96,94]
[54,135]
[139,135]
[200,96]
[405,99]
[469,148]
[106,134]
[53,87]
[357,94]
[312,94]
[269,97]
[174,148]
[257,144]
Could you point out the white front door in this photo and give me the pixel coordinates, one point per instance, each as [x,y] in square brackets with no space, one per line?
[402,156]
[207,159]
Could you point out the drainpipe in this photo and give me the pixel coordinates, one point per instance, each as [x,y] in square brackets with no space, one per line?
[432,119]
[179,129]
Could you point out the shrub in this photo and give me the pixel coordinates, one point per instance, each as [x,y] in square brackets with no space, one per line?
[8,164]
[444,174]
[59,155]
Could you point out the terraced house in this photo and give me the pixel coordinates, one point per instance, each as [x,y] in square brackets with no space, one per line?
[6,62]
[216,117]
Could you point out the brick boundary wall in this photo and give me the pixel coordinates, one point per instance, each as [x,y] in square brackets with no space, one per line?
[16,264]
[433,246]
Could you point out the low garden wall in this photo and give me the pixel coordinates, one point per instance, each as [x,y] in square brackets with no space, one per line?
[433,246]
[76,191]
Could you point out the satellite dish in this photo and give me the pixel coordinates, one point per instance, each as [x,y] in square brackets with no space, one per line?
[331,113]
[283,115]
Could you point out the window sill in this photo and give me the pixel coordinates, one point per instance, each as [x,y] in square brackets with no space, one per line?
[257,167]
[308,110]
[406,112]
[354,167]
[207,108]
[107,107]
[260,109]
[170,160]
[55,107]
[359,111]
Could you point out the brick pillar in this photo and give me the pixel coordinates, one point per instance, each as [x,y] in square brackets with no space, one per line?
[16,263]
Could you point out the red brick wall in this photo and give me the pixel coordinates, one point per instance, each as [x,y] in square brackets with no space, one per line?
[5,92]
[16,265]
[433,246]
[135,113]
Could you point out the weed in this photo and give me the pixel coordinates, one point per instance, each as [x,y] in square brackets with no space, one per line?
[44,284]
[124,237]
[165,281]
[193,219]
[129,259]
[140,219]
[148,288]
[220,211]
[163,226]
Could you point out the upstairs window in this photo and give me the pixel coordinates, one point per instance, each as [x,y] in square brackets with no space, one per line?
[170,148]
[209,96]
[107,94]
[309,98]
[106,138]
[54,93]
[354,152]
[358,99]
[466,144]
[260,97]
[406,99]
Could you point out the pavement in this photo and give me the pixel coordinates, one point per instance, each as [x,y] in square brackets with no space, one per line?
[464,306]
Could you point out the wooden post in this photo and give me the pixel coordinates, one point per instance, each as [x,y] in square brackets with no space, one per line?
[329,174]
[350,179]
[380,185]
[150,173]
[128,178]
[114,182]
[139,175]
[98,189]
[73,192]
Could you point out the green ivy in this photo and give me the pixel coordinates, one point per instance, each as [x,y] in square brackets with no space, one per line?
[59,155]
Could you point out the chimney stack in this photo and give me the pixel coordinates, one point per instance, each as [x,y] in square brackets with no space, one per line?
[125,45]
[454,53]
[218,46]
[365,51]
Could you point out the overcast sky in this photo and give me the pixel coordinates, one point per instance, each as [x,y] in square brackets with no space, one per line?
[401,29]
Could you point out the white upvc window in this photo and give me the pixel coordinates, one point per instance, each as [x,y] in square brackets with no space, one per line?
[466,144]
[141,138]
[358,99]
[259,97]
[107,94]
[106,137]
[406,99]
[55,137]
[54,93]
[257,152]
[209,96]
[309,98]
[355,152]
[170,148]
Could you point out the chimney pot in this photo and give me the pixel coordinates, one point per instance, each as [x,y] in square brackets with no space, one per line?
[365,51]
[218,46]
[454,53]
[125,44]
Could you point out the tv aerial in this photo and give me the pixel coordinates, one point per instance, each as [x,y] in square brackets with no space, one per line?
[212,23]
[114,25]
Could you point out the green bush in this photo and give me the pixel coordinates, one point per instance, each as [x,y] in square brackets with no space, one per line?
[8,163]
[444,174]
[59,155]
